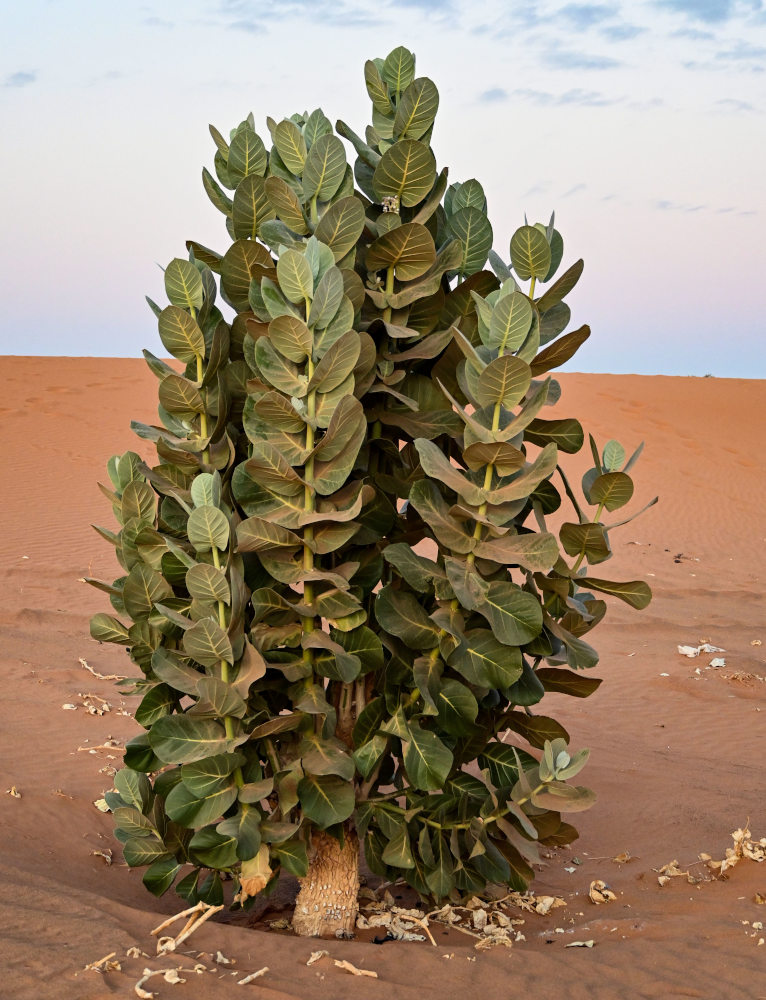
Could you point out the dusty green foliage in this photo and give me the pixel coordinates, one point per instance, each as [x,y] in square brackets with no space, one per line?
[306,662]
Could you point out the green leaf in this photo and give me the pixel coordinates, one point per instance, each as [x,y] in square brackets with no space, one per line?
[326,799]
[180,334]
[155,704]
[291,146]
[614,456]
[180,397]
[560,351]
[399,69]
[295,278]
[537,551]
[243,261]
[325,168]
[218,698]
[427,760]
[144,587]
[438,466]
[510,323]
[203,777]
[180,739]
[341,226]
[160,875]
[251,208]
[398,850]
[516,617]
[105,628]
[212,849]
[377,89]
[206,583]
[134,788]
[527,481]
[207,643]
[245,828]
[407,170]
[259,535]
[337,364]
[278,370]
[418,571]
[191,811]
[636,593]
[430,504]
[505,380]
[247,155]
[613,490]
[561,288]
[530,253]
[536,729]
[566,682]
[440,878]
[208,528]
[567,434]
[325,756]
[416,110]
[143,851]
[589,539]
[486,662]
[216,193]
[327,299]
[183,284]
[400,614]
[286,205]
[173,671]
[559,797]
[472,227]
[409,249]
[292,856]
[457,708]
[363,643]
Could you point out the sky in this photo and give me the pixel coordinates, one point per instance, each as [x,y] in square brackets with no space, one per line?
[640,124]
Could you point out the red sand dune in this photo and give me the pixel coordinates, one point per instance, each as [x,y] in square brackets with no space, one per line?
[676,755]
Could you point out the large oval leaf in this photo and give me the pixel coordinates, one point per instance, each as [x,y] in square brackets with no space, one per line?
[180,739]
[613,490]
[530,253]
[510,323]
[472,227]
[341,226]
[183,284]
[251,207]
[181,334]
[407,170]
[291,146]
[325,168]
[409,249]
[427,760]
[207,643]
[486,662]
[516,617]
[247,155]
[243,261]
[208,528]
[285,203]
[399,69]
[417,109]
[144,587]
[294,276]
[505,380]
[326,799]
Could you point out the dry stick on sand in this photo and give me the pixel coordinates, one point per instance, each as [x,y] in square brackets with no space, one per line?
[101,677]
[197,916]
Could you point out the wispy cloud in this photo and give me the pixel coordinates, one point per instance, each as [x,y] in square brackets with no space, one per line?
[742,52]
[693,34]
[22,78]
[676,206]
[251,27]
[622,32]
[157,22]
[253,17]
[574,190]
[585,15]
[731,104]
[584,98]
[493,96]
[708,11]
[557,58]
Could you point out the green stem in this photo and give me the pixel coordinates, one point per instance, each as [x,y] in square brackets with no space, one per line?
[389,291]
[228,722]
[203,415]
[308,505]
[313,211]
[532,287]
[471,558]
[582,553]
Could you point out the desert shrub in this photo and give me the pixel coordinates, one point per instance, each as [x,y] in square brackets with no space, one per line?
[339,583]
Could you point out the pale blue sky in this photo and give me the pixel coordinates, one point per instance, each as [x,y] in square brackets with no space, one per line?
[641,124]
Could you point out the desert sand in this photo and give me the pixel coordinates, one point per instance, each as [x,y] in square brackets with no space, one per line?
[677,745]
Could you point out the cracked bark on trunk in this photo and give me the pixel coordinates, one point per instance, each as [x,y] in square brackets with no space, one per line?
[327,901]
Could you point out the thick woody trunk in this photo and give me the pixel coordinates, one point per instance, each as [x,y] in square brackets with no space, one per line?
[327,901]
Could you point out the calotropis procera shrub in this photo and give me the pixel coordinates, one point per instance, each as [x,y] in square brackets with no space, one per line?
[339,585]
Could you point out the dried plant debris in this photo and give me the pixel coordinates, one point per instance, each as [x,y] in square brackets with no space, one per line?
[101,805]
[348,967]
[580,944]
[744,848]
[196,916]
[106,855]
[253,976]
[623,859]
[13,791]
[317,956]
[169,976]
[106,964]
[599,892]
[101,677]
[490,923]
[704,647]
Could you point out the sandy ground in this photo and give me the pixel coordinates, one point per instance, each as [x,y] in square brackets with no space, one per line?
[677,747]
